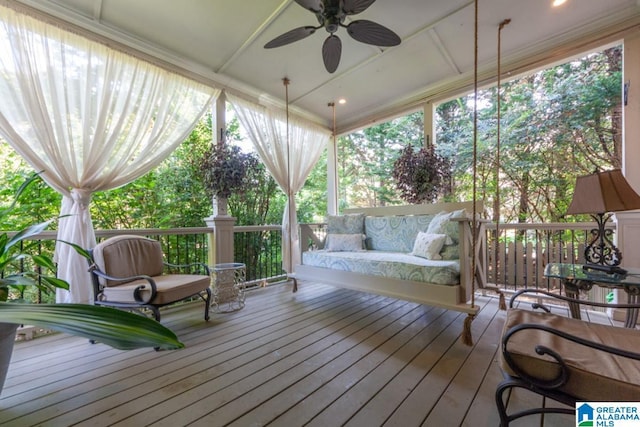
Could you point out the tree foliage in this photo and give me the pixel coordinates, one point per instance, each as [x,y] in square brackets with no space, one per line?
[556,124]
[366,160]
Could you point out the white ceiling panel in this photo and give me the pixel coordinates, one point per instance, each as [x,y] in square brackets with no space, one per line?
[222,40]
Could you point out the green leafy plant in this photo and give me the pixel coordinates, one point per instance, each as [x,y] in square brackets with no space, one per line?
[117,328]
[421,176]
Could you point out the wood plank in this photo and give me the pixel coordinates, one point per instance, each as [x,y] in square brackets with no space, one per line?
[116,361]
[314,381]
[424,396]
[385,402]
[283,371]
[455,400]
[322,356]
[340,399]
[123,386]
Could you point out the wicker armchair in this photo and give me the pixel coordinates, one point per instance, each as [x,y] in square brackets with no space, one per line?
[128,273]
[567,360]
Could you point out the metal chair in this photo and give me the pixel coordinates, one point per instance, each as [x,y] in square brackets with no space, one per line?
[566,360]
[128,272]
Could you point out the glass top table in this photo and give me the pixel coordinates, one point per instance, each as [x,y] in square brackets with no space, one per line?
[576,278]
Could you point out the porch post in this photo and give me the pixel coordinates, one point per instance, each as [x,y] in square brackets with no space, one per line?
[221,239]
[628,223]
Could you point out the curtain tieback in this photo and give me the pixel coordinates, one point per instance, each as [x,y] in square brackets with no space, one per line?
[81,197]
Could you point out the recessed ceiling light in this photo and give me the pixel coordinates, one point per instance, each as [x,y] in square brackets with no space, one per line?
[342,101]
[557,3]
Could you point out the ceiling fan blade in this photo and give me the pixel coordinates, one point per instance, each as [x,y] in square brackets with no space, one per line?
[372,33]
[352,7]
[312,5]
[291,36]
[331,51]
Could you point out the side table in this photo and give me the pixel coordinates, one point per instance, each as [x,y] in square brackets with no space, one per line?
[228,287]
[575,279]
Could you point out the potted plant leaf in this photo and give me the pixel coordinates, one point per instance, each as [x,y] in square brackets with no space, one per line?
[117,328]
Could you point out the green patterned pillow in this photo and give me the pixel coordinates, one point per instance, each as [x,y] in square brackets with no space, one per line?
[438,225]
[452,229]
[345,224]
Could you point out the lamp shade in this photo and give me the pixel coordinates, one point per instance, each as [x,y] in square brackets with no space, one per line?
[603,192]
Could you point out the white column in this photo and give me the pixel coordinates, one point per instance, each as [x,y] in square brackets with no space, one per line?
[628,223]
[221,242]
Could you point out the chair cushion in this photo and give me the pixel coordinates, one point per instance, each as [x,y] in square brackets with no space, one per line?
[170,288]
[126,256]
[594,375]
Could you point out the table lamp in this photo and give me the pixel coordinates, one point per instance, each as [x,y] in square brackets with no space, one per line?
[599,194]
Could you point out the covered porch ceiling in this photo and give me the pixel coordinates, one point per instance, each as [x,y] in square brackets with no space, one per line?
[221,42]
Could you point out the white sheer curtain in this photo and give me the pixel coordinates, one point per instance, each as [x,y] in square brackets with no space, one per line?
[289,161]
[91,118]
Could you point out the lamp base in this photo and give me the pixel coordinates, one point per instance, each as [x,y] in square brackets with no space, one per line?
[609,269]
[601,254]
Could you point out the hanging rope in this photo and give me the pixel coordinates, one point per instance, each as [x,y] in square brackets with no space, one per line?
[332,105]
[502,303]
[466,331]
[285,82]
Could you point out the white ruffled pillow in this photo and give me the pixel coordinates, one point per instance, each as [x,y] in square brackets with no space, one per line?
[344,242]
[428,245]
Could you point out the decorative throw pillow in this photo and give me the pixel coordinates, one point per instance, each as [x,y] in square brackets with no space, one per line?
[345,224]
[438,225]
[428,245]
[452,229]
[344,242]
[450,252]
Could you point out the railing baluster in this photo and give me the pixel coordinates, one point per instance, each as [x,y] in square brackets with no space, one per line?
[516,257]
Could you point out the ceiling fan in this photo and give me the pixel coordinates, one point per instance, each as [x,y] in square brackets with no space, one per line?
[331,15]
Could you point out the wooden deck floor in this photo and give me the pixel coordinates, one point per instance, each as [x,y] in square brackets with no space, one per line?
[321,357]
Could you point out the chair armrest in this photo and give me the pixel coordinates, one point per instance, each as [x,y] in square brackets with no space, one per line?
[199,265]
[137,291]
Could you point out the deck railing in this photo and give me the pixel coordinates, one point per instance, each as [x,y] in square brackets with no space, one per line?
[516,258]
[258,247]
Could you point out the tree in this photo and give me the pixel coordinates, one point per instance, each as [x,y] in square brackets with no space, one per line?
[366,160]
[556,124]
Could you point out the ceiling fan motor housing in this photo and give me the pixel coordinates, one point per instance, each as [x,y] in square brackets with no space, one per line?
[331,15]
